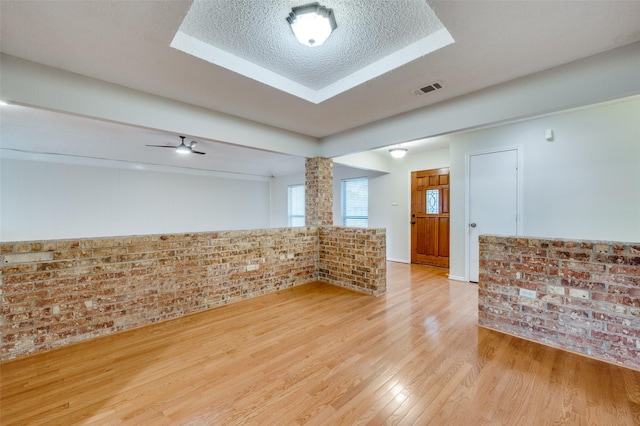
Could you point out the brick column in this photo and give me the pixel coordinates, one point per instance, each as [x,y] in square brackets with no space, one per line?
[319,191]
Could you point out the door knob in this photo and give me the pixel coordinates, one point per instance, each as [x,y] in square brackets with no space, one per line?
[413,222]
[473,225]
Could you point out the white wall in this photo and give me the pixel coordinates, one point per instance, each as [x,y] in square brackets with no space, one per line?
[608,75]
[279,193]
[583,185]
[41,86]
[43,200]
[341,172]
[280,198]
[386,190]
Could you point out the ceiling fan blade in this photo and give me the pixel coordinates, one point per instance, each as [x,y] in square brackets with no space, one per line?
[162,146]
[198,152]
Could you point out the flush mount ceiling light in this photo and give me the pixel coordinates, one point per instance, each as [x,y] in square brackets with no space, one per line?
[398,152]
[312,24]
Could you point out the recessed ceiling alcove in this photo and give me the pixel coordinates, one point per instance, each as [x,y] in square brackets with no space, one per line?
[255,40]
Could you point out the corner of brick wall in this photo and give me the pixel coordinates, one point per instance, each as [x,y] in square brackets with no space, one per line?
[58,292]
[587,296]
[54,293]
[353,258]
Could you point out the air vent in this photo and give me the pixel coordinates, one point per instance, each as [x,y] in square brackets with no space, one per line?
[429,88]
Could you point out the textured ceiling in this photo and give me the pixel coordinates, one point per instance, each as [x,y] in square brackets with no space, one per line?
[129,43]
[370,40]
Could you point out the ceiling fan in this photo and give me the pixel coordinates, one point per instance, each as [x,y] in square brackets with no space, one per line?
[182,148]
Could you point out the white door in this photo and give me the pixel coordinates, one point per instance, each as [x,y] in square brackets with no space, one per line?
[493,199]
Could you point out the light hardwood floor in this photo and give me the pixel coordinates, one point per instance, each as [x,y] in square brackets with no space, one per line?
[321,355]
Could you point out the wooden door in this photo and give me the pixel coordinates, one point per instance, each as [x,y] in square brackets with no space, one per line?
[430,217]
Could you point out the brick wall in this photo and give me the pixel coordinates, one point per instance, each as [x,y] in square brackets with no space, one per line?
[319,191]
[587,296]
[58,292]
[354,258]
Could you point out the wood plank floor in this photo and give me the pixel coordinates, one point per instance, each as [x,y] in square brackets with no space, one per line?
[321,355]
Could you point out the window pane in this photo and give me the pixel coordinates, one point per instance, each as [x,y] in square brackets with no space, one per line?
[433,201]
[355,202]
[296,205]
[296,221]
[360,223]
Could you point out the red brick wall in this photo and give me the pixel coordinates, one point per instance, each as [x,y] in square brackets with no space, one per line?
[58,292]
[354,258]
[587,296]
[319,191]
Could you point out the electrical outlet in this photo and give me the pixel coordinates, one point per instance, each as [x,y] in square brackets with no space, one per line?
[252,267]
[530,294]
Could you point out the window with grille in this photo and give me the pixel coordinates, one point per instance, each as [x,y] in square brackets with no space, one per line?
[355,202]
[295,209]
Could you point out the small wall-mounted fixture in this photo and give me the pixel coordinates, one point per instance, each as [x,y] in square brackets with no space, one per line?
[398,152]
[549,135]
[312,24]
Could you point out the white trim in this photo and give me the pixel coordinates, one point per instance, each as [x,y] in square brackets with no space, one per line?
[457,278]
[205,51]
[399,261]
[467,202]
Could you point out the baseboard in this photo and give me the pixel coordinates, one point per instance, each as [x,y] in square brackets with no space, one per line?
[456,278]
[398,260]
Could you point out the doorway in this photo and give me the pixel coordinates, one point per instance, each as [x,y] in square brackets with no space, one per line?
[493,200]
[430,217]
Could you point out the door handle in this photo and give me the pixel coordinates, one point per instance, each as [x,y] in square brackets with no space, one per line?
[473,225]
[413,222]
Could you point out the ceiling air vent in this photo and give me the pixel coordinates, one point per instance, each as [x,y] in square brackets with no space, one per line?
[429,88]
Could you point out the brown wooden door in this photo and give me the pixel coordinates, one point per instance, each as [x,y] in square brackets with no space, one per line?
[430,217]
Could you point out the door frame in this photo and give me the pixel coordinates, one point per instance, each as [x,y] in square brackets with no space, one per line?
[408,216]
[412,219]
[467,198]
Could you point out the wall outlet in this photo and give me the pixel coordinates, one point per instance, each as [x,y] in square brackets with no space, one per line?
[252,267]
[530,294]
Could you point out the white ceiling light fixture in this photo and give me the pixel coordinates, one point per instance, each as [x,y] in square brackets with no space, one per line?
[398,152]
[312,24]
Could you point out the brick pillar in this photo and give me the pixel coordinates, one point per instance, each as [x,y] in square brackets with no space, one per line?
[319,191]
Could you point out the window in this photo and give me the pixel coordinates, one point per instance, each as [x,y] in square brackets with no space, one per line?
[296,205]
[355,202]
[433,201]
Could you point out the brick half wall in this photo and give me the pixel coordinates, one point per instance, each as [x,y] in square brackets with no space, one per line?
[354,258]
[587,294]
[58,292]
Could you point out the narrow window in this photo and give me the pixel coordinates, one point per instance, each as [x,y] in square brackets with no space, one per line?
[433,201]
[355,202]
[296,205]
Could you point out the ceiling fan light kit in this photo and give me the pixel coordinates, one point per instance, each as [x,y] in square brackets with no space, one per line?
[182,148]
[312,24]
